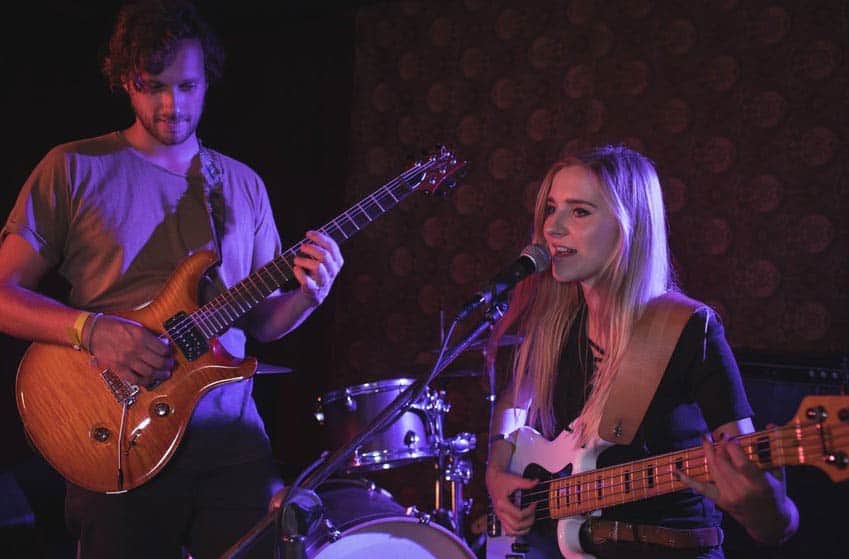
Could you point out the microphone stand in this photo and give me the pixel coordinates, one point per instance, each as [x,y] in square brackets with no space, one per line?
[290,540]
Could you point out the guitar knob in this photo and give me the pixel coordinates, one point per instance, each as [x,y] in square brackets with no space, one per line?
[839,459]
[817,414]
[161,409]
[843,415]
[101,434]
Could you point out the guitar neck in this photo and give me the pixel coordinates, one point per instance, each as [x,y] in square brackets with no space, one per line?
[793,444]
[216,316]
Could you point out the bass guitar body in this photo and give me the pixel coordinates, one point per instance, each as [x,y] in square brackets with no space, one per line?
[572,489]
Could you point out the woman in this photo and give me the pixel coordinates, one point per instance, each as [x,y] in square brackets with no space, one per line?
[601,216]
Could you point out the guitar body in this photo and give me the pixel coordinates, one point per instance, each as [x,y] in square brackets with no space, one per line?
[75,420]
[563,454]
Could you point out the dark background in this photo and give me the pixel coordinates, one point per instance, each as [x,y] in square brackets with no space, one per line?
[741,105]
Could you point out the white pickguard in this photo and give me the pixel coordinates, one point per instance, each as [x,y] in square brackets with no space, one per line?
[554,456]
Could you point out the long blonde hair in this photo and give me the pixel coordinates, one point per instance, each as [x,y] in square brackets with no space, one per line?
[638,271]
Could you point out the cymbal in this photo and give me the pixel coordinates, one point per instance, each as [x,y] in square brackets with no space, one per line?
[461,373]
[505,340]
[480,345]
[270,369]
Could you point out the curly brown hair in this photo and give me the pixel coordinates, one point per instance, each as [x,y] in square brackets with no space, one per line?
[146,37]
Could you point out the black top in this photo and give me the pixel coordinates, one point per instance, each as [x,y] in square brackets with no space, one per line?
[701,389]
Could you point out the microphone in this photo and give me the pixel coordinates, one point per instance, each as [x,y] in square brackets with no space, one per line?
[534,258]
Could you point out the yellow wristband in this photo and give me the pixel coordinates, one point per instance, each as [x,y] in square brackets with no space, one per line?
[76,331]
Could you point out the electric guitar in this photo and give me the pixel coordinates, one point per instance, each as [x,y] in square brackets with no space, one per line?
[108,435]
[572,489]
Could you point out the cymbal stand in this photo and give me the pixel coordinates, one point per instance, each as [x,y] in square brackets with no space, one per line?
[454,470]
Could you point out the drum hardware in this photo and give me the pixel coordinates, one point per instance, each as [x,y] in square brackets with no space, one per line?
[332,533]
[364,522]
[454,471]
[415,435]
[318,473]
[414,512]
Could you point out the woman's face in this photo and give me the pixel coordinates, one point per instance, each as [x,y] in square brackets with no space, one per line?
[579,228]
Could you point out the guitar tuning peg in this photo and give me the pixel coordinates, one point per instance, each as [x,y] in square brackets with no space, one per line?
[445,188]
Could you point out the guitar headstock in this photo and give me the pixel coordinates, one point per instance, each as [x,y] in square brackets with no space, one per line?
[823,421]
[441,169]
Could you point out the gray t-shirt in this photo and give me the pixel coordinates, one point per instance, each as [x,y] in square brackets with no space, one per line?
[116,226]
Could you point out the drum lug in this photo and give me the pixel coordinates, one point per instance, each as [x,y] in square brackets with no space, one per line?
[319,413]
[423,517]
[411,439]
[350,404]
[332,533]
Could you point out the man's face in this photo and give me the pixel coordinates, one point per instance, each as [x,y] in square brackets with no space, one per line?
[169,104]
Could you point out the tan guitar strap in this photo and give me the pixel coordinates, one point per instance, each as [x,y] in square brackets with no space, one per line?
[212,195]
[643,364]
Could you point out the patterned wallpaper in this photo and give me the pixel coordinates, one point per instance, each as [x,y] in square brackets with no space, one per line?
[740,104]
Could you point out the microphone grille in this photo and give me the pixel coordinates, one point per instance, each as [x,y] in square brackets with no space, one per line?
[538,255]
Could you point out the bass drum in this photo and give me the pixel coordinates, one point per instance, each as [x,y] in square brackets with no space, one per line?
[362,521]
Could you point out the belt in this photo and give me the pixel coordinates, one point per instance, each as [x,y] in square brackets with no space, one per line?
[600,531]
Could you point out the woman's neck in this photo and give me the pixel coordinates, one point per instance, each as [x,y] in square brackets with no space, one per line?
[596,300]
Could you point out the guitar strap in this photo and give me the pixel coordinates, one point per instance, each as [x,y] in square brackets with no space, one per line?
[213,203]
[643,364]
[213,195]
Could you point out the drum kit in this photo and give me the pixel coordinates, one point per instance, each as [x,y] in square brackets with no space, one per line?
[365,516]
[378,426]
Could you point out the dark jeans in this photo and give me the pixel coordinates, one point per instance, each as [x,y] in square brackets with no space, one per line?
[175,512]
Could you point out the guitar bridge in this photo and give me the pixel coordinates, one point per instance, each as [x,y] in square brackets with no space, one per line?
[123,391]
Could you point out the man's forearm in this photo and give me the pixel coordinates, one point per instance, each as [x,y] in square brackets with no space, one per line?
[28,315]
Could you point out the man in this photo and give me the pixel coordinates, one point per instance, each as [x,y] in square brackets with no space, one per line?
[115,215]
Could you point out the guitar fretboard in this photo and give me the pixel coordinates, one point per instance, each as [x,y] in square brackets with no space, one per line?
[220,313]
[796,443]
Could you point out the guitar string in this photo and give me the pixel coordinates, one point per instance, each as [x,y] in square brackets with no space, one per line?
[220,304]
[663,461]
[543,513]
[661,484]
[212,309]
[664,469]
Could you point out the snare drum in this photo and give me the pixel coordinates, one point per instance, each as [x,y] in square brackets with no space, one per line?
[362,521]
[414,436]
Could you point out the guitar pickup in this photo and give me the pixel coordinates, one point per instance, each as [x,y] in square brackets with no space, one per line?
[186,335]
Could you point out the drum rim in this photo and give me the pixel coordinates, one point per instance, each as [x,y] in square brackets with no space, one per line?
[367,388]
[387,459]
[363,522]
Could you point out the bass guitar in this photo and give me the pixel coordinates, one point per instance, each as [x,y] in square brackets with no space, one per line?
[572,489]
[108,435]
